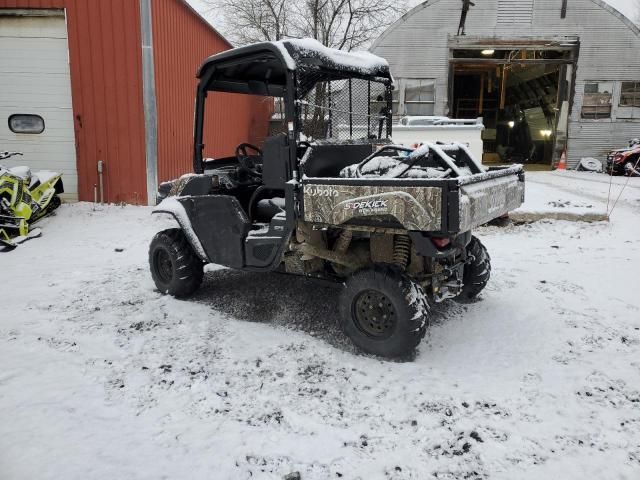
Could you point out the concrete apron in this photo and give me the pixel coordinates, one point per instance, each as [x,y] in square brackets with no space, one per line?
[530,217]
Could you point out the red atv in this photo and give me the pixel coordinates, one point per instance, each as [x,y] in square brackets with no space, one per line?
[625,161]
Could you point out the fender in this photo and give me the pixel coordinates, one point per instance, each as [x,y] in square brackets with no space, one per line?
[172,206]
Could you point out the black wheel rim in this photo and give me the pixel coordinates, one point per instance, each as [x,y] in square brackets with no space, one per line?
[164,266]
[374,314]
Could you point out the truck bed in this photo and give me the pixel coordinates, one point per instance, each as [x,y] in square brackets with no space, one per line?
[440,206]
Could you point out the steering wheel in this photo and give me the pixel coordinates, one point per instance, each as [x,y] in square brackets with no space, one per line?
[247,163]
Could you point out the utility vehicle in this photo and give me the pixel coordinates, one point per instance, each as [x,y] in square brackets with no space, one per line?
[329,196]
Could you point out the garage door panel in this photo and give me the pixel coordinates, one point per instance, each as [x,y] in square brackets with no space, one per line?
[31,98]
[47,51]
[35,80]
[58,125]
[34,27]
[55,150]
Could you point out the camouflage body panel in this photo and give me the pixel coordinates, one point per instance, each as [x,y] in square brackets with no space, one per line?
[416,208]
[178,185]
[489,199]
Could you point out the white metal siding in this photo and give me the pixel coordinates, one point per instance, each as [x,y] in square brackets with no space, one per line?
[35,79]
[417,46]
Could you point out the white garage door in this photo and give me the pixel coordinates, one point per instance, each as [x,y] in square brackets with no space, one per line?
[35,84]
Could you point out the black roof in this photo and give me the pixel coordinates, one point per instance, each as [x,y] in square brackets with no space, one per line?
[262,68]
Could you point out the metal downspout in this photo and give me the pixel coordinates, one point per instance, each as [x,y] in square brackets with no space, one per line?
[149,101]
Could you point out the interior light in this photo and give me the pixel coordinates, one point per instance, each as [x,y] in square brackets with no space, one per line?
[488,52]
[545,133]
[511,124]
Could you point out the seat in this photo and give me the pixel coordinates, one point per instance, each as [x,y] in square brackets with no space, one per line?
[267,208]
[22,172]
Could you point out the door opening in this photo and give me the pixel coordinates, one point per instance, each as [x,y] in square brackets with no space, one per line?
[522,96]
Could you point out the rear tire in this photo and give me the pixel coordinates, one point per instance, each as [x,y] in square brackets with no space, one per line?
[476,273]
[384,312]
[175,267]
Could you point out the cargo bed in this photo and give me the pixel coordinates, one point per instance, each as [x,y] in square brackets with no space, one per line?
[437,205]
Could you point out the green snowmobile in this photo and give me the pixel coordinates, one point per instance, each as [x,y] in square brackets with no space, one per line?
[25,198]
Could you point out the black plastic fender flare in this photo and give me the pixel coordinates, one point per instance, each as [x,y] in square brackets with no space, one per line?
[187,228]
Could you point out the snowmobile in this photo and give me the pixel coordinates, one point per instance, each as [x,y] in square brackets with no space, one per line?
[25,198]
[328,196]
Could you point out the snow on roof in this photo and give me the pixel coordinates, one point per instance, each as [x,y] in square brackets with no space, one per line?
[364,62]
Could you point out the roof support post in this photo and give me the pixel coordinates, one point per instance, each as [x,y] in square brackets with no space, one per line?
[149,101]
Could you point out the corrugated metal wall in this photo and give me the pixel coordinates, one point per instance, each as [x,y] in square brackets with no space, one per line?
[106,84]
[417,46]
[181,41]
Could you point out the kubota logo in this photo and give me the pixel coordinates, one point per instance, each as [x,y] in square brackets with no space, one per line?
[366,205]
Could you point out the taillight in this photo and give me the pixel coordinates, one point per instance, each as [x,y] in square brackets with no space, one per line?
[441,242]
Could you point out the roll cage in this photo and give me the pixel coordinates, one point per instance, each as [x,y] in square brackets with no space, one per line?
[315,83]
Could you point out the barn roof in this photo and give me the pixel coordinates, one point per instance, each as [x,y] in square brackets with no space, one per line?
[429,3]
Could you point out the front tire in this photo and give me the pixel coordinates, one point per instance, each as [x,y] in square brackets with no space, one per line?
[175,267]
[384,312]
[476,273]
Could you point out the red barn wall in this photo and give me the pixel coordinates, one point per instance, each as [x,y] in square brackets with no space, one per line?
[106,85]
[181,41]
[106,88]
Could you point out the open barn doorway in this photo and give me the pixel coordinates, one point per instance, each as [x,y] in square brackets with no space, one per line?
[523,96]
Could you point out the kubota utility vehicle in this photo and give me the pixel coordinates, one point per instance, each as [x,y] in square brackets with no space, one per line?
[329,196]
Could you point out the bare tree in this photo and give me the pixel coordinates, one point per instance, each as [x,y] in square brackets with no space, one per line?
[344,24]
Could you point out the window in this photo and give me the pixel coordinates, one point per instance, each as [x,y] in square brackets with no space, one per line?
[596,102]
[21,123]
[630,94]
[419,97]
[414,96]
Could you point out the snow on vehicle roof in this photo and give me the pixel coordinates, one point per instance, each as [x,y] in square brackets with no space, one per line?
[364,62]
[307,51]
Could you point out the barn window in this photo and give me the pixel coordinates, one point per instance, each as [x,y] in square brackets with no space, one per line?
[22,123]
[596,102]
[414,96]
[630,94]
[419,96]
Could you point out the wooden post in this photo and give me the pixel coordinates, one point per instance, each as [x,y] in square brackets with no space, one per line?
[503,87]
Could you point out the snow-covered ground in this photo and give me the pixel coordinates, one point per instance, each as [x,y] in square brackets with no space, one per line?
[104,378]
